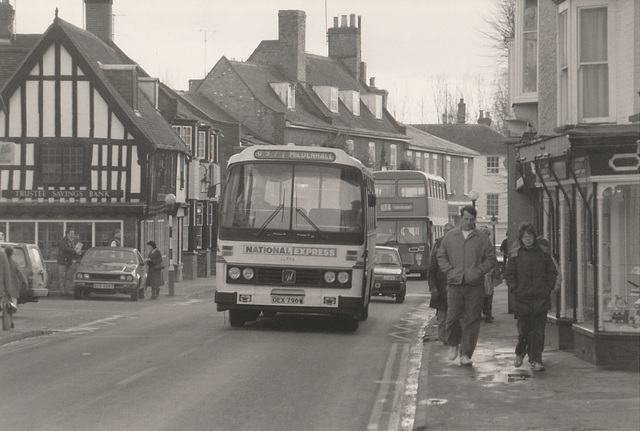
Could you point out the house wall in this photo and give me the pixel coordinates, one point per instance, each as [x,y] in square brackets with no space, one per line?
[547,67]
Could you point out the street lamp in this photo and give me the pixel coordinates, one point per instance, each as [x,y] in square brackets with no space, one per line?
[473,195]
[170,199]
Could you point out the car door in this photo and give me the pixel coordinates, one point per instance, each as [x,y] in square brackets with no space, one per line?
[142,269]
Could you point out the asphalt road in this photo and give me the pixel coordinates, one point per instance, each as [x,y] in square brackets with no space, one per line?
[112,364]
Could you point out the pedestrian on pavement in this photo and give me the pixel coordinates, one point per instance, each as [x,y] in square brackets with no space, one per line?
[491,280]
[5,281]
[66,253]
[438,288]
[465,256]
[115,241]
[155,278]
[18,282]
[531,277]
[504,249]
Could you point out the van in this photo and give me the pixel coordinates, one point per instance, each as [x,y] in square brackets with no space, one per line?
[29,257]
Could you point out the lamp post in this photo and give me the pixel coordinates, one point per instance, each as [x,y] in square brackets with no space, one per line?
[170,199]
[473,195]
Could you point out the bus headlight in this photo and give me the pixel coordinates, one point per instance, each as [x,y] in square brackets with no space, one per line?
[329,277]
[343,277]
[234,273]
[248,273]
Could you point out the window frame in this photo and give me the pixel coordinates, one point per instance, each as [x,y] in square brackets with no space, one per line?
[493,208]
[493,164]
[520,95]
[84,164]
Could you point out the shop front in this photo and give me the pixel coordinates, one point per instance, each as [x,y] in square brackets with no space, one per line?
[585,190]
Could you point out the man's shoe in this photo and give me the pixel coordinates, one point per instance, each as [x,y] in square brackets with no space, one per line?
[465,360]
[453,353]
[537,366]
[489,319]
[517,362]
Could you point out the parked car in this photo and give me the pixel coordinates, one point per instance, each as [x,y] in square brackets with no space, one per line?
[110,270]
[389,274]
[30,260]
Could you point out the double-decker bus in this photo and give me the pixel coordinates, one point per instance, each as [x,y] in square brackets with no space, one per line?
[296,234]
[412,211]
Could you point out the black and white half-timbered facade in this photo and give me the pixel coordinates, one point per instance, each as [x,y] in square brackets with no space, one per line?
[83,145]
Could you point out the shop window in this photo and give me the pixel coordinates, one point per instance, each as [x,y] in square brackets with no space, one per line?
[83,233]
[49,235]
[61,165]
[22,232]
[199,224]
[105,232]
[185,227]
[620,248]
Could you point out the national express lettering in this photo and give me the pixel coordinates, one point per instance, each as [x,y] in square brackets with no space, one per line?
[277,250]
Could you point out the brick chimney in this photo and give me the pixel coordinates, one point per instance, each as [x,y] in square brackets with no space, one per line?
[462,111]
[7,17]
[99,18]
[292,33]
[345,44]
[485,121]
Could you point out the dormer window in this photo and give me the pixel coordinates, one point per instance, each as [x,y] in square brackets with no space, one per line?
[328,95]
[373,102]
[286,92]
[351,100]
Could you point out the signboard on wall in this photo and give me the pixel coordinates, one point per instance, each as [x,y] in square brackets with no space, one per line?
[7,153]
[62,194]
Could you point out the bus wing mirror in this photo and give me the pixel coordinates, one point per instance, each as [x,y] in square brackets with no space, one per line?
[371,200]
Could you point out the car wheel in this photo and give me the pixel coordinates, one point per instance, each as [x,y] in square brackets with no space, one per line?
[400,296]
[77,292]
[364,315]
[134,294]
[236,318]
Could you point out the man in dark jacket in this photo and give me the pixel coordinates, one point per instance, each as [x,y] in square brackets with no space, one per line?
[438,288]
[465,256]
[66,254]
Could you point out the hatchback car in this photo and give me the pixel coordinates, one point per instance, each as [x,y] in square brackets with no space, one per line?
[110,270]
[30,260]
[389,274]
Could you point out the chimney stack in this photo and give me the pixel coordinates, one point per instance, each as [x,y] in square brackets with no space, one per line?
[345,43]
[291,32]
[7,17]
[462,114]
[99,18]
[485,121]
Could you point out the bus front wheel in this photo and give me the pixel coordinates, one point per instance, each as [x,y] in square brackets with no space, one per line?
[236,318]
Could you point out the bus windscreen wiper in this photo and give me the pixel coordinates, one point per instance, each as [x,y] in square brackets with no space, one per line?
[271,217]
[304,216]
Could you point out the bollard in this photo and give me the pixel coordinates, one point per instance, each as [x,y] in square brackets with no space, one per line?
[172,280]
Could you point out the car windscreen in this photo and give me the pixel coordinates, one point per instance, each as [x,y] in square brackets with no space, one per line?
[387,257]
[299,198]
[108,255]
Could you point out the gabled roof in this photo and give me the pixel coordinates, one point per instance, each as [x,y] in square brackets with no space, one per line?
[145,123]
[474,136]
[425,141]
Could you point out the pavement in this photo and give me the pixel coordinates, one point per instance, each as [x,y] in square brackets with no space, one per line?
[489,395]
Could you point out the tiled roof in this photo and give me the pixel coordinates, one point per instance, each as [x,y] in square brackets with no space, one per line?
[474,136]
[434,143]
[11,55]
[310,111]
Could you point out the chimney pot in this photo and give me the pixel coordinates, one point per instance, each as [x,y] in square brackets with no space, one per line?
[344,20]
[335,21]
[372,82]
[462,114]
[352,20]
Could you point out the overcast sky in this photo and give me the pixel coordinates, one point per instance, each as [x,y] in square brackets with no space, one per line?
[407,44]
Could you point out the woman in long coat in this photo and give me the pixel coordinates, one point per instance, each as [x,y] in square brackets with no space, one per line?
[155,278]
[531,278]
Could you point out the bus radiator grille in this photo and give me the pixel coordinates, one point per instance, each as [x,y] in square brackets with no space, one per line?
[304,276]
